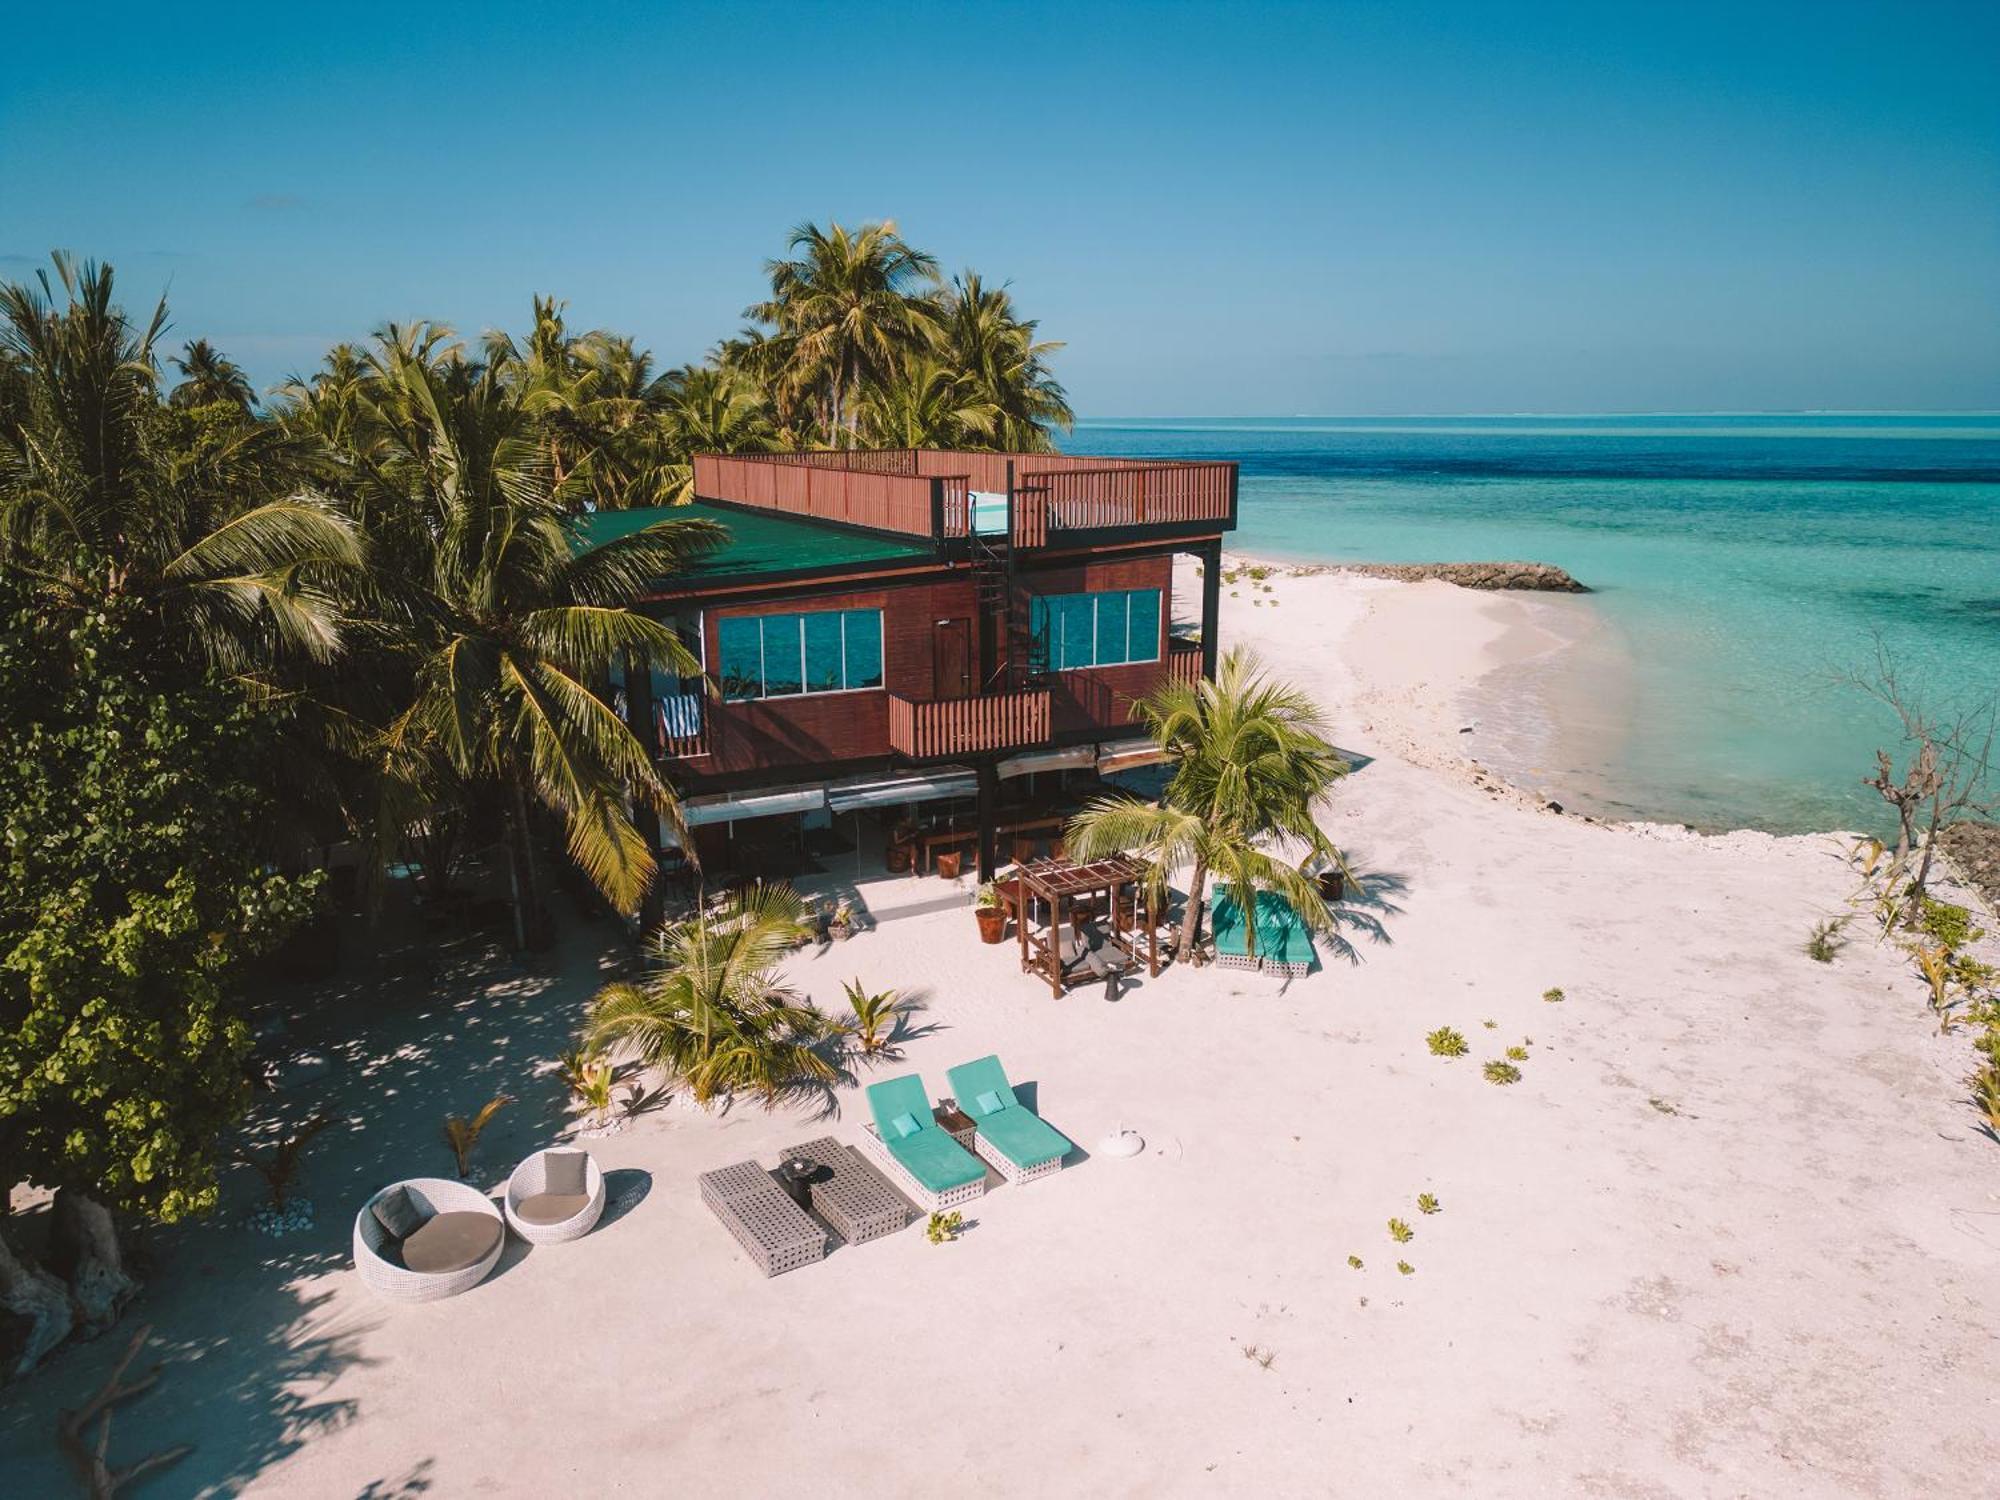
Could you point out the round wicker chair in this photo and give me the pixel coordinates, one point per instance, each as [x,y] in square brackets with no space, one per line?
[531,1181]
[400,1284]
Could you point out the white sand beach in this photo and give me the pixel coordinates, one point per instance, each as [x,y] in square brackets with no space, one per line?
[1732,1234]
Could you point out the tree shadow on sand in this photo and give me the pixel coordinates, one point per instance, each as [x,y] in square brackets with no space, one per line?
[254,1330]
[1363,913]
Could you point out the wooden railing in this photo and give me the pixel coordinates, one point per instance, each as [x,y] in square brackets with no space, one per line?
[927,493]
[963,726]
[819,491]
[1184,660]
[1072,499]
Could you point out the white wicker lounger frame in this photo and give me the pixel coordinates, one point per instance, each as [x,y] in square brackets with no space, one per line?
[995,1158]
[531,1178]
[442,1196]
[880,1154]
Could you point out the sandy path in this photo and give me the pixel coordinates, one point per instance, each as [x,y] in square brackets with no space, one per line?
[1731,1235]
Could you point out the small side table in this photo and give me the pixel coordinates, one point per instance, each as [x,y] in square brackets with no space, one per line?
[956,1123]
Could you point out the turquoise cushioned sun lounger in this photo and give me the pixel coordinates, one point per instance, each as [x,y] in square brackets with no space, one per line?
[1018,1133]
[1283,942]
[927,1153]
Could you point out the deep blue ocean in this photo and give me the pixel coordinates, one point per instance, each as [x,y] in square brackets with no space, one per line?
[1742,563]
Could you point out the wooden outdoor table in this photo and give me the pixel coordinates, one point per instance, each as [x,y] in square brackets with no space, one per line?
[944,838]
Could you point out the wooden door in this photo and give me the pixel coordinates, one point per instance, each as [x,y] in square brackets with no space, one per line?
[951,658]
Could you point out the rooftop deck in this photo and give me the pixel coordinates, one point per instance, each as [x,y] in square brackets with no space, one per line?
[1033,499]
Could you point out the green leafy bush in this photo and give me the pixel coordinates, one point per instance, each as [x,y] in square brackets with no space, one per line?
[1427,1204]
[1553,994]
[1500,1072]
[1948,925]
[1400,1232]
[1517,1054]
[1445,1042]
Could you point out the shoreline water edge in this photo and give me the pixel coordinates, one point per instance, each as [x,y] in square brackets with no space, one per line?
[1523,692]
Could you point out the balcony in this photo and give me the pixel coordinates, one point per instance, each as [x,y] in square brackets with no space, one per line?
[680,724]
[1034,499]
[963,726]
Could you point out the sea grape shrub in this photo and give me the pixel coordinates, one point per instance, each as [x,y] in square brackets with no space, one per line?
[135,885]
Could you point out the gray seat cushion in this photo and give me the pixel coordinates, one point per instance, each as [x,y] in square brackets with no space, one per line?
[564,1172]
[398,1213]
[452,1242]
[551,1208]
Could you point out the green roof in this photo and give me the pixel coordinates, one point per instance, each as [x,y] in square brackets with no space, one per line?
[761,544]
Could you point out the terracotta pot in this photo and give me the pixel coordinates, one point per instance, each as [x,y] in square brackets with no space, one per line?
[949,864]
[992,923]
[901,857]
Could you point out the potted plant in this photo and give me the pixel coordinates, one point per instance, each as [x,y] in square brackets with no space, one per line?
[950,863]
[991,915]
[841,925]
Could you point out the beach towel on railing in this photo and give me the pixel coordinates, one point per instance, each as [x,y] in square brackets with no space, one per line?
[678,717]
[1283,940]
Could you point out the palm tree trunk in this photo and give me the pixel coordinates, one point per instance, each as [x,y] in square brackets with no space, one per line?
[1191,919]
[521,855]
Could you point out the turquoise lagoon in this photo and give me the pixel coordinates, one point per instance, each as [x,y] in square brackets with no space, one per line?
[1742,563]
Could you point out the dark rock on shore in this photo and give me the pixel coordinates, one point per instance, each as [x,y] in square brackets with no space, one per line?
[1544,577]
[1974,849]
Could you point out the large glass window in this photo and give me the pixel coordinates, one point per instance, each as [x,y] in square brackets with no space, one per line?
[1097,630]
[779,656]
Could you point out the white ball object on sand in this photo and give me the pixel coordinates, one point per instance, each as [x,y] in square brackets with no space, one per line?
[1122,1142]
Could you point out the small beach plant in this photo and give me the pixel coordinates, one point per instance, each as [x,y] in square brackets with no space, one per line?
[1553,994]
[1517,1054]
[1427,1204]
[462,1135]
[942,1228]
[1825,940]
[877,1017]
[588,1075]
[1947,924]
[1354,1261]
[1490,1025]
[281,1165]
[1445,1042]
[1502,1072]
[1406,1268]
[1400,1232]
[1986,1096]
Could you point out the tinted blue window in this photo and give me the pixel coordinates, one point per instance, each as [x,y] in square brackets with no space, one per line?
[741,644]
[828,651]
[1096,630]
[1143,631]
[1079,630]
[864,647]
[823,652]
[784,669]
[1111,612]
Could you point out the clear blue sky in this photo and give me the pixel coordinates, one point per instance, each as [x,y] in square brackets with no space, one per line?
[1224,209]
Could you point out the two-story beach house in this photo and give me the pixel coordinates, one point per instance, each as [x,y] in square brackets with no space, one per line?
[906,627]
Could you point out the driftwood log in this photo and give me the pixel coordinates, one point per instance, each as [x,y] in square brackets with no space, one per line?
[101,1481]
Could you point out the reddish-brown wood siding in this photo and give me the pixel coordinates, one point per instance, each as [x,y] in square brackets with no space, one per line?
[827,729]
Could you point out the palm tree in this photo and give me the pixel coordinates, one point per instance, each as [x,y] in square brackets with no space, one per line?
[1250,764]
[223,543]
[508,629]
[704,410]
[208,378]
[997,354]
[712,1014]
[847,311]
[930,406]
